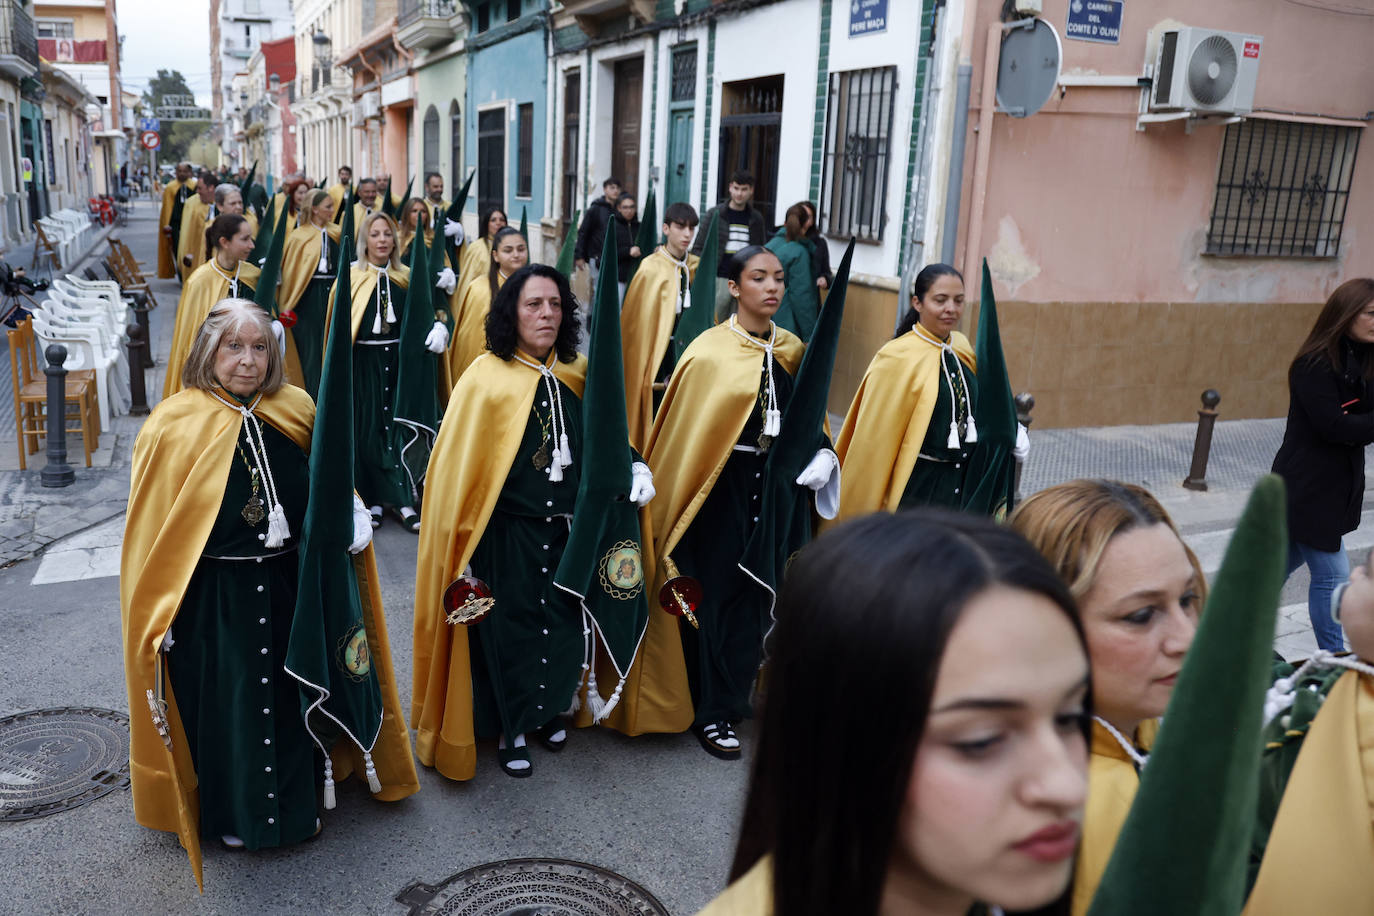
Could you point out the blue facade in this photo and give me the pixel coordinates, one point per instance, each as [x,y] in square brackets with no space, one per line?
[507,65]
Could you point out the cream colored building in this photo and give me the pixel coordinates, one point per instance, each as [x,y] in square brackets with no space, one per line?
[324,94]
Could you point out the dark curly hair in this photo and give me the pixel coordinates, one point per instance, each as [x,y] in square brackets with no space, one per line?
[503,319]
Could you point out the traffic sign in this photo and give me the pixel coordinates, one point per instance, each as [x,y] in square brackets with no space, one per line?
[150,139]
[152,124]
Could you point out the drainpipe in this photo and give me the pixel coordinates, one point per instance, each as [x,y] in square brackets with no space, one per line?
[949,234]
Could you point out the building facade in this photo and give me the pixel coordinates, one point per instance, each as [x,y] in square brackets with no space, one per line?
[19,85]
[383,95]
[324,91]
[269,127]
[436,32]
[237,29]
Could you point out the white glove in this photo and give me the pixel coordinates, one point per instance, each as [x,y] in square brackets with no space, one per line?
[822,477]
[453,230]
[641,484]
[279,332]
[437,339]
[362,526]
[1022,447]
[446,281]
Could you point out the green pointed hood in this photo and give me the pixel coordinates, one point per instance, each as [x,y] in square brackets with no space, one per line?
[701,316]
[266,293]
[415,404]
[263,240]
[646,240]
[565,254]
[1184,846]
[991,488]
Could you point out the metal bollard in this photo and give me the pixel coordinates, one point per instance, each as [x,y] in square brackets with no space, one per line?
[1202,445]
[1025,403]
[141,310]
[138,392]
[57,472]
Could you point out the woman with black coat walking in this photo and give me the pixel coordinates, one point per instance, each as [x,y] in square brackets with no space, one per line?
[1330,421]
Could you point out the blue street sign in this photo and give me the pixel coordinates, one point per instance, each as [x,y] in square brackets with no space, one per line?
[1095,20]
[867,17]
[149,124]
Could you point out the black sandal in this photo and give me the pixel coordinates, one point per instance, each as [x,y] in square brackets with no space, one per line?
[410,523]
[508,755]
[546,732]
[712,733]
[375,514]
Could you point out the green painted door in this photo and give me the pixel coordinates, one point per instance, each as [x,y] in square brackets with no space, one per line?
[679,157]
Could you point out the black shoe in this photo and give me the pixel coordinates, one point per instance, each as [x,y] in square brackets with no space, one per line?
[507,755]
[711,736]
[545,735]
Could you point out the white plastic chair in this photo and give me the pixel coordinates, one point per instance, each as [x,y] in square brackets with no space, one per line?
[96,352]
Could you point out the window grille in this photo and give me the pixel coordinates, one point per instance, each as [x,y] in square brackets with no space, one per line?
[512,10]
[483,17]
[524,176]
[455,135]
[431,140]
[684,87]
[858,147]
[1282,189]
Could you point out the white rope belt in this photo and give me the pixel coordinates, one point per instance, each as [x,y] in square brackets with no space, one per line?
[261,556]
[378,343]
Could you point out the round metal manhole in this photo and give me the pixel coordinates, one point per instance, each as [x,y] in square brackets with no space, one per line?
[533,887]
[54,760]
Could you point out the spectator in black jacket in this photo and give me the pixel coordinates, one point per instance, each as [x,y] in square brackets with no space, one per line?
[738,226]
[820,260]
[1330,421]
[591,235]
[626,222]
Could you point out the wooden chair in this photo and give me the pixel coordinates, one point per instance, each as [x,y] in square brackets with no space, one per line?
[31,398]
[45,247]
[127,271]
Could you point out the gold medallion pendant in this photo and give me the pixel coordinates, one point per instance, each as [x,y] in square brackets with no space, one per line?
[541,459]
[765,443]
[253,513]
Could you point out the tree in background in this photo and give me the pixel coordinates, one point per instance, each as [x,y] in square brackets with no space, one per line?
[177,136]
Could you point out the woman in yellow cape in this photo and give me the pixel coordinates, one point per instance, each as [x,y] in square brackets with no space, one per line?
[708,454]
[509,253]
[476,255]
[909,430]
[508,452]
[195,220]
[310,259]
[207,595]
[174,197]
[1139,590]
[227,275]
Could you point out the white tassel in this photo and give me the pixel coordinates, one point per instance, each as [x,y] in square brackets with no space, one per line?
[971,430]
[564,450]
[595,703]
[772,422]
[953,441]
[277,529]
[373,783]
[611,703]
[329,799]
[556,468]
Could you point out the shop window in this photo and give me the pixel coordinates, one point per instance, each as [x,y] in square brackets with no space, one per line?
[1282,189]
[858,152]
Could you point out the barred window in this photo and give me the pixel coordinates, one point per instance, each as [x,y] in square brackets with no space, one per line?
[858,128]
[524,175]
[1282,189]
[431,140]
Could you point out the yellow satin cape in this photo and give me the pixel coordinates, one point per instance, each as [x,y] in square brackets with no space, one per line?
[362,283]
[475,260]
[887,422]
[166,245]
[337,192]
[192,240]
[472,457]
[646,325]
[709,398]
[204,287]
[470,325]
[1112,784]
[180,468]
[300,256]
[750,895]
[1320,857]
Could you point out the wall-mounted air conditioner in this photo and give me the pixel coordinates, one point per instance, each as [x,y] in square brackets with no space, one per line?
[1205,70]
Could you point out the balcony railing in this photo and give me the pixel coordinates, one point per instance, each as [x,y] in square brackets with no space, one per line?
[18,42]
[239,48]
[411,10]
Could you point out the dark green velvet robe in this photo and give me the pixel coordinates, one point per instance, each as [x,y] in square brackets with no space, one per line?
[942,482]
[377,471]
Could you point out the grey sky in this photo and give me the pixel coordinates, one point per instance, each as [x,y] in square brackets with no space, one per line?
[159,34]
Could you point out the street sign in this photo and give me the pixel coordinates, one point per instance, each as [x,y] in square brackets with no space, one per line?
[182,113]
[1095,20]
[150,139]
[867,17]
[149,124]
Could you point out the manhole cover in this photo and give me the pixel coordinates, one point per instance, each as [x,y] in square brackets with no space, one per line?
[532,887]
[55,759]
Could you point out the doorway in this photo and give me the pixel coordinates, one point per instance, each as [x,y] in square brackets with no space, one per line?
[626,115]
[572,109]
[491,159]
[750,130]
[681,117]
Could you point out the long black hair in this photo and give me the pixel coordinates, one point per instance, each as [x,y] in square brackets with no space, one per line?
[493,269]
[863,618]
[224,226]
[503,320]
[486,218]
[919,287]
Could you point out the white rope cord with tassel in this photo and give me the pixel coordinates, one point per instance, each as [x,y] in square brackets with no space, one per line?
[277,528]
[233,281]
[390,312]
[772,416]
[558,424]
[1281,695]
[684,283]
[970,428]
[323,266]
[1130,749]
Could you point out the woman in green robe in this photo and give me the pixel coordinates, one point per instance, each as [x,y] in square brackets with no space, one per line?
[801,301]
[310,260]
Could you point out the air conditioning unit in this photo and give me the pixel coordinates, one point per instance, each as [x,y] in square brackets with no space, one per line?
[1205,70]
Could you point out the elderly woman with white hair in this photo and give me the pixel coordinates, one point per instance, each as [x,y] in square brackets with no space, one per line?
[208,595]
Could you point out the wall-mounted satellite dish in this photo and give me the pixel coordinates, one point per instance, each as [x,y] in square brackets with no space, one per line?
[1028,67]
